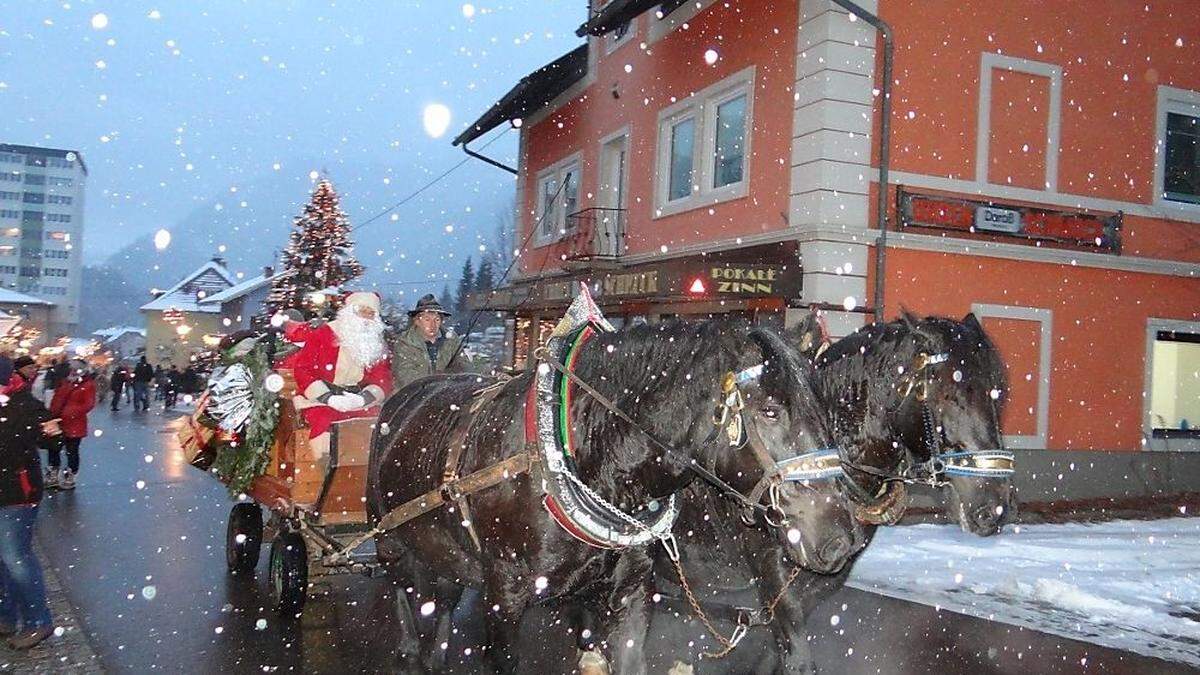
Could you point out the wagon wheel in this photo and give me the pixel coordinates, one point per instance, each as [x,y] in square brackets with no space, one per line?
[243,538]
[289,574]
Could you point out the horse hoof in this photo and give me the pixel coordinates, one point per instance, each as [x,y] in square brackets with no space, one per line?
[592,663]
[681,668]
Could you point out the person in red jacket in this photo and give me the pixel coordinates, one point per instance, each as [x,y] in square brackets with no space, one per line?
[73,400]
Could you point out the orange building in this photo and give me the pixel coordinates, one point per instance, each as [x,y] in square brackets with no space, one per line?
[1043,172]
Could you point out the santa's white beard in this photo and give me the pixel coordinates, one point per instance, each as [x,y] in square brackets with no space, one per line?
[362,338]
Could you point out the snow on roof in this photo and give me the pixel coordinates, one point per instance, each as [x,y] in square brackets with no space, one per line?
[117,331]
[211,278]
[235,292]
[11,297]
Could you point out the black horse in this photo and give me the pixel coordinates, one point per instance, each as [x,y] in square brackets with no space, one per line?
[880,425]
[668,379]
[918,400]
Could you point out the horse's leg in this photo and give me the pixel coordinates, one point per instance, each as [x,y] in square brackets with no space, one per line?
[445,597]
[408,646]
[791,634]
[505,601]
[630,621]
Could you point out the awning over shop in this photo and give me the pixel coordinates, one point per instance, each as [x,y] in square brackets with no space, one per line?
[534,92]
[616,13]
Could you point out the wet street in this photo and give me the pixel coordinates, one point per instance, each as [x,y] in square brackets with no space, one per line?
[139,547]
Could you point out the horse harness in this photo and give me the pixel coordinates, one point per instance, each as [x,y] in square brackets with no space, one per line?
[888,505]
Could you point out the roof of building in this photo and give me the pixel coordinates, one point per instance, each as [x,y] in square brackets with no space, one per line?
[113,332]
[534,92]
[11,297]
[211,278]
[48,152]
[618,12]
[237,291]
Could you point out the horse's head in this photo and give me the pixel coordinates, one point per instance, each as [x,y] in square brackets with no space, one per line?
[785,449]
[953,392]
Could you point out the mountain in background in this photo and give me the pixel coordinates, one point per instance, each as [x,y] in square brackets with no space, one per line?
[417,252]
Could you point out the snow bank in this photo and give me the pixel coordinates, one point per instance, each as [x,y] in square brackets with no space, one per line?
[1132,585]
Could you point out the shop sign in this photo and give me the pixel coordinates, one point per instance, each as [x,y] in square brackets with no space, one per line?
[992,219]
[558,290]
[630,284]
[744,279]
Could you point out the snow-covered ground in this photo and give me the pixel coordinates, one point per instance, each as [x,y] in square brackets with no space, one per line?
[1132,585]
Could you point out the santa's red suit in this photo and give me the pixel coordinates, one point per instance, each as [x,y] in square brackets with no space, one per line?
[322,368]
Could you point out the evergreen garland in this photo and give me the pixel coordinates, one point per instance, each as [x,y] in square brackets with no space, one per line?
[244,457]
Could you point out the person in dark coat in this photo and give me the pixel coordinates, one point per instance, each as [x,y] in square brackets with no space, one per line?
[24,615]
[116,385]
[143,375]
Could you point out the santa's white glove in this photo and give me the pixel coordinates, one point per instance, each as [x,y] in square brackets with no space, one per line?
[346,402]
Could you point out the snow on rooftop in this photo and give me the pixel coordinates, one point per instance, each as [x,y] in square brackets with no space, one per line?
[11,297]
[1131,585]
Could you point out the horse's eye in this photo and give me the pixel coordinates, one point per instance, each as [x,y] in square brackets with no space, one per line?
[772,412]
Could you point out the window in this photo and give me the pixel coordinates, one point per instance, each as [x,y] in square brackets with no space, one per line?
[61,255]
[10,176]
[1173,385]
[619,36]
[1177,149]
[58,235]
[683,140]
[9,213]
[57,199]
[35,179]
[730,151]
[9,158]
[58,218]
[558,197]
[12,232]
[1181,176]
[11,196]
[704,145]
[34,198]
[57,163]
[54,272]
[8,269]
[59,181]
[8,249]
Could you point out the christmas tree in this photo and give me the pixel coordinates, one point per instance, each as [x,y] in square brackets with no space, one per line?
[319,255]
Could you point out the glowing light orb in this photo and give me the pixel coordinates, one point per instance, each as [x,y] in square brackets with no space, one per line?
[100,21]
[436,119]
[468,10]
[710,56]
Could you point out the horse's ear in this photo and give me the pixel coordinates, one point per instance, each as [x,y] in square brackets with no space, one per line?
[910,320]
[971,321]
[808,335]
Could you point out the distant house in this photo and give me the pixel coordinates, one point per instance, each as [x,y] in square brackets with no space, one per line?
[209,301]
[28,312]
[122,342]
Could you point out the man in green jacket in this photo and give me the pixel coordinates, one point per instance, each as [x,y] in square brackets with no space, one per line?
[423,348]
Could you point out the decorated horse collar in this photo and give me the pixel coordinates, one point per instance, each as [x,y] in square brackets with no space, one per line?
[578,509]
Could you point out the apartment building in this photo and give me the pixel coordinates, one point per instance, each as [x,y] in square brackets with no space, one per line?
[1042,167]
[41,227]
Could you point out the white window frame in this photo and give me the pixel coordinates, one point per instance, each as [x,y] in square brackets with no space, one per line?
[983,133]
[1180,102]
[1045,317]
[703,107]
[1153,326]
[558,217]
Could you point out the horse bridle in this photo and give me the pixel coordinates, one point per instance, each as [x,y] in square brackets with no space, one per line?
[809,467]
[943,461]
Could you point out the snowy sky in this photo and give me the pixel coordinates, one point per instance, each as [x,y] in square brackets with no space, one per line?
[174,103]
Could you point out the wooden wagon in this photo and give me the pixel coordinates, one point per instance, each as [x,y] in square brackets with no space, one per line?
[315,508]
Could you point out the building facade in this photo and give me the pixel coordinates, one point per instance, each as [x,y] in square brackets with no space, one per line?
[1043,172]
[41,227]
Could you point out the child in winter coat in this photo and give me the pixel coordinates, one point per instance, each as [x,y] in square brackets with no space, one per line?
[72,401]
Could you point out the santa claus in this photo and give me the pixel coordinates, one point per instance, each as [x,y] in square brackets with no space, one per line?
[342,371]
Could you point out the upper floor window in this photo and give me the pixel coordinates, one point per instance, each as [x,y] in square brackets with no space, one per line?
[9,195]
[9,213]
[558,197]
[60,163]
[1178,170]
[619,36]
[10,158]
[10,176]
[704,145]
[1181,175]
[57,199]
[59,181]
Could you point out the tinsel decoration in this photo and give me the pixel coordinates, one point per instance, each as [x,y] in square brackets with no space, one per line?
[250,408]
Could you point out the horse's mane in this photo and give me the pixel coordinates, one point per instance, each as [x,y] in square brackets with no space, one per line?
[863,367]
[667,376]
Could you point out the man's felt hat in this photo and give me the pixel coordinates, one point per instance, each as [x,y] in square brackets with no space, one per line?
[428,303]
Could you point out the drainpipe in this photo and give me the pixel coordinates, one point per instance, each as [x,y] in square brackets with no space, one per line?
[885,128]
[488,160]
